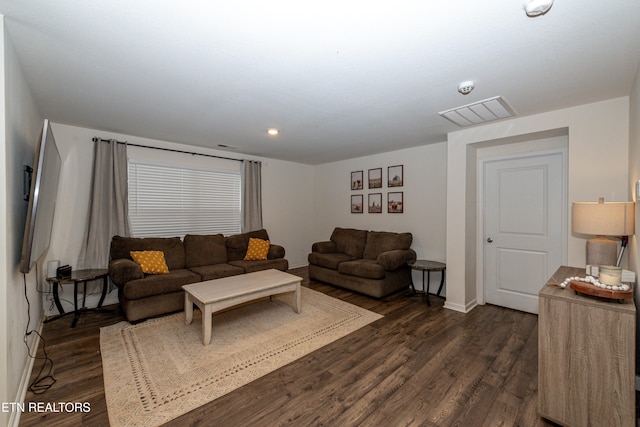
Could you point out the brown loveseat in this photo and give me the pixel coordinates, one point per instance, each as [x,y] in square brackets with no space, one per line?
[370,262]
[194,259]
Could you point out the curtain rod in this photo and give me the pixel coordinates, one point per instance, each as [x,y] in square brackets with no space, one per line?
[95,138]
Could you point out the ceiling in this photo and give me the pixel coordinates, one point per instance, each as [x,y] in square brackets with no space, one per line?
[340,78]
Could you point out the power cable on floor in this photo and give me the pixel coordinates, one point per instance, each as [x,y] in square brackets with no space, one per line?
[43,381]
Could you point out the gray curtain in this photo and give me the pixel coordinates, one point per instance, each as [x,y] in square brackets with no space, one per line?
[108,213]
[251,195]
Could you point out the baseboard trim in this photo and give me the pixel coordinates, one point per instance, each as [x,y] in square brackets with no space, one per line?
[294,266]
[34,343]
[461,308]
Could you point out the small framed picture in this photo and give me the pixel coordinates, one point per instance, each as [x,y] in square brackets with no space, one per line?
[356,203]
[375,178]
[375,203]
[395,202]
[395,176]
[357,180]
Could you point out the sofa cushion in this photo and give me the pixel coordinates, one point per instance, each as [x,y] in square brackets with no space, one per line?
[327,247]
[331,261]
[349,241]
[204,249]
[151,262]
[275,251]
[122,270]
[172,247]
[217,271]
[392,260]
[159,284]
[383,241]
[366,268]
[237,244]
[251,266]
[257,250]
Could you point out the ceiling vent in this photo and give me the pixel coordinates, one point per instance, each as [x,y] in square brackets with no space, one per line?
[479,112]
[227,146]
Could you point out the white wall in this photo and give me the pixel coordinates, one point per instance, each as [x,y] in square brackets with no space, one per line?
[598,135]
[424,199]
[634,176]
[20,125]
[287,198]
[301,203]
[287,203]
[4,253]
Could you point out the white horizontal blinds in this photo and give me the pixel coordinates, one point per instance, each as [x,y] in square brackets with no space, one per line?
[166,201]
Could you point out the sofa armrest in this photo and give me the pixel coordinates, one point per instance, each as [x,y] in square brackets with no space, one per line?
[327,247]
[392,260]
[275,252]
[124,270]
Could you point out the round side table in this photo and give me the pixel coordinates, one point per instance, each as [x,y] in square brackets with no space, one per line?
[427,266]
[77,277]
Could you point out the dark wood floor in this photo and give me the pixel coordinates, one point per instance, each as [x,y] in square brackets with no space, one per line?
[419,365]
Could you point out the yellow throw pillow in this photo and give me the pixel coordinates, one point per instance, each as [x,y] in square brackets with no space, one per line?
[257,250]
[152,262]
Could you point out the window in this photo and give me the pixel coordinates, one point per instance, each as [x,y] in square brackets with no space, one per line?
[167,201]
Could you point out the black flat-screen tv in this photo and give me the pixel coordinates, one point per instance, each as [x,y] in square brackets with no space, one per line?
[42,200]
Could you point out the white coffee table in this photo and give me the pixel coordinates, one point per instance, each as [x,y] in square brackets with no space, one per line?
[215,295]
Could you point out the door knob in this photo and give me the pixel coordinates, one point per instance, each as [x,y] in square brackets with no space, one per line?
[489,240]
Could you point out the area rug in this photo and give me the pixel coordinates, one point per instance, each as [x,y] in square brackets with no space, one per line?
[157,370]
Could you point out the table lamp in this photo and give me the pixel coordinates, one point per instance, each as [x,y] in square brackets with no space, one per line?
[603,219]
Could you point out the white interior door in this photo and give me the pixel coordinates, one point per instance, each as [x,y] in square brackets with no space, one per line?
[524,213]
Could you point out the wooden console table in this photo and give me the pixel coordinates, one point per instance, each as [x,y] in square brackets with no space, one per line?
[586,356]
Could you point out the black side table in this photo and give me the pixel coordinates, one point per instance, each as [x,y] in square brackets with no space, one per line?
[77,277]
[428,266]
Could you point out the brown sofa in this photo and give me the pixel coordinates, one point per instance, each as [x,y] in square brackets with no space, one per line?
[370,262]
[194,259]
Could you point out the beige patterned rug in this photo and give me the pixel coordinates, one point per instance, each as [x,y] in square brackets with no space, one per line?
[158,370]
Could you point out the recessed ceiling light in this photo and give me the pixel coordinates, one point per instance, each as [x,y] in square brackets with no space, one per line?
[537,7]
[273,131]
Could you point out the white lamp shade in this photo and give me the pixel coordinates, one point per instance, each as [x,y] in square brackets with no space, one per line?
[603,219]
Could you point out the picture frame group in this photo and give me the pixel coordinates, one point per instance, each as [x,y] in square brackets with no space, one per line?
[375,180]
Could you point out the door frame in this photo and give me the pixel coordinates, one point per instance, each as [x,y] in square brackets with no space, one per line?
[480,233]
